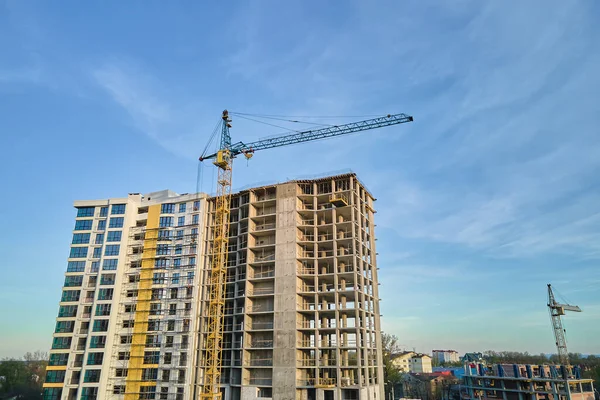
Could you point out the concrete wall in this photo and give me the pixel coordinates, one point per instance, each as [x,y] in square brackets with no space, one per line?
[284,336]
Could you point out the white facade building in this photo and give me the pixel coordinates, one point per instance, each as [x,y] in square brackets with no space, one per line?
[444,356]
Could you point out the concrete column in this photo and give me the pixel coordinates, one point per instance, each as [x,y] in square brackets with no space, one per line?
[284,335]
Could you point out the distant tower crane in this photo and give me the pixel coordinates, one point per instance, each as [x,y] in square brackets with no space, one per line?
[223,159]
[556,310]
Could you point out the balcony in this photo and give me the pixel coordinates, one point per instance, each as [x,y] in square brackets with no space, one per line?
[260,362]
[317,382]
[260,326]
[261,344]
[264,227]
[259,381]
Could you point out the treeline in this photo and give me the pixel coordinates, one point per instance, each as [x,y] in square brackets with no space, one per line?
[516,357]
[23,377]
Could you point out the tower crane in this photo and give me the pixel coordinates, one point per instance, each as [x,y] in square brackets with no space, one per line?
[556,310]
[223,159]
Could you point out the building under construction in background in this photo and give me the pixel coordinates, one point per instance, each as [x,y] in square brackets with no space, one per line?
[301,308]
[524,381]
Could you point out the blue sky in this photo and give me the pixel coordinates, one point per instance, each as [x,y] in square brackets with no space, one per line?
[490,194]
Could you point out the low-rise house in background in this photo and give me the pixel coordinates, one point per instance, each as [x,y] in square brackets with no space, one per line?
[409,361]
[445,356]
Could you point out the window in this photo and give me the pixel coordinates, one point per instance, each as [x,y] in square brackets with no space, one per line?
[155,308]
[180,234]
[194,231]
[195,219]
[105,294]
[158,278]
[190,277]
[192,260]
[165,222]
[128,323]
[177,262]
[81,238]
[67,311]
[172,309]
[113,236]
[55,376]
[115,222]
[103,310]
[167,208]
[103,211]
[196,205]
[107,279]
[99,238]
[124,356]
[162,250]
[161,263]
[61,343]
[58,359]
[102,225]
[130,308]
[95,358]
[100,325]
[83,225]
[175,278]
[178,249]
[71,281]
[89,393]
[97,252]
[70,295]
[132,293]
[170,326]
[149,374]
[111,250]
[119,389]
[164,391]
[126,339]
[173,293]
[64,327]
[147,392]
[117,209]
[121,372]
[166,375]
[52,393]
[85,211]
[98,342]
[78,252]
[76,266]
[110,264]
[95,266]
[156,294]
[181,221]
[182,207]
[165,234]
[153,325]
[151,357]
[152,341]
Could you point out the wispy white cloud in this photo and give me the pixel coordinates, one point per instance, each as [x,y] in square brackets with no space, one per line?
[174,124]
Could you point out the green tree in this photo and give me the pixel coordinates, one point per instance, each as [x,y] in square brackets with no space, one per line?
[391,375]
[23,378]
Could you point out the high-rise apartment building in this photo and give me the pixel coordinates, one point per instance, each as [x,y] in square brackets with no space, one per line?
[301,312]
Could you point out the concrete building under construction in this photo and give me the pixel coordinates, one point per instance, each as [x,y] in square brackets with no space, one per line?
[301,310]
[523,381]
